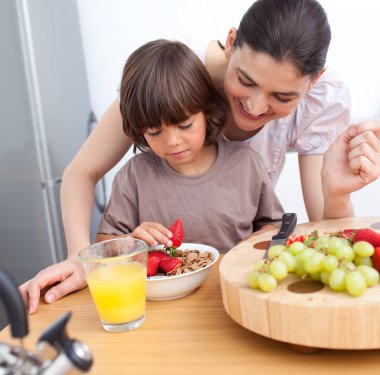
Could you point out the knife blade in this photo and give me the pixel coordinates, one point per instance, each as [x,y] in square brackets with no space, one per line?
[289,222]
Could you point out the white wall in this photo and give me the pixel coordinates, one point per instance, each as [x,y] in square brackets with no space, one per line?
[112,29]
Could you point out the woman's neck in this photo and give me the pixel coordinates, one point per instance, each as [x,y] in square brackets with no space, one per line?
[233,133]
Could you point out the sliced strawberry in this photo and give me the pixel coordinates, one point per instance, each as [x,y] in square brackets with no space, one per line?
[170,264]
[367,235]
[152,265]
[177,231]
[159,254]
[376,258]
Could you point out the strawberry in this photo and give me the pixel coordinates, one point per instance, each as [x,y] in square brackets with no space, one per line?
[170,264]
[159,254]
[152,265]
[367,235]
[348,234]
[376,258]
[177,231]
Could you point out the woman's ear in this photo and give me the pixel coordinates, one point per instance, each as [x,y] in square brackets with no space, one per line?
[230,42]
[315,79]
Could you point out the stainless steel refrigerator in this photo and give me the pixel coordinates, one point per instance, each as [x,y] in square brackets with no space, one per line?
[45,116]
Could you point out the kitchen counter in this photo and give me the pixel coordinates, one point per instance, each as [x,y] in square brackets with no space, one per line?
[191,335]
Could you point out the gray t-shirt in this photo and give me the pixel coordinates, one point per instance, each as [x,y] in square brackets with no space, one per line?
[219,207]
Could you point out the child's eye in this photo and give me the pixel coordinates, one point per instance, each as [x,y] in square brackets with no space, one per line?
[154,133]
[184,127]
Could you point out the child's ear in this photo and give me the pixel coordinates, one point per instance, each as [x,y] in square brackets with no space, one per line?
[230,43]
[315,79]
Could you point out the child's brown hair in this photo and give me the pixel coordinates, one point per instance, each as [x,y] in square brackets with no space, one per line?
[164,82]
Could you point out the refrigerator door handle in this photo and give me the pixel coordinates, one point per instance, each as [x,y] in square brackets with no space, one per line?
[100,190]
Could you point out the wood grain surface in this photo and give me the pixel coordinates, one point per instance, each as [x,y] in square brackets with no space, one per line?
[191,335]
[317,317]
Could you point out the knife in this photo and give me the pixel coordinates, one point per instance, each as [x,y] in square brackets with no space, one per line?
[289,222]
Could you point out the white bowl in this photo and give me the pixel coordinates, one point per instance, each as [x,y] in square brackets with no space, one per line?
[160,288]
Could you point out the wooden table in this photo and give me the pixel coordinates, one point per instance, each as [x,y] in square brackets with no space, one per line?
[191,335]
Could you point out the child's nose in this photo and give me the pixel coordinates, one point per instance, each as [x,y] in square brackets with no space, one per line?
[173,136]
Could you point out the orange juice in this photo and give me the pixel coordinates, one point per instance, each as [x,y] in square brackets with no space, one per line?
[118,291]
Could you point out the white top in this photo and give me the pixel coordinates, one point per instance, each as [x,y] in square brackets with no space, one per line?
[320,116]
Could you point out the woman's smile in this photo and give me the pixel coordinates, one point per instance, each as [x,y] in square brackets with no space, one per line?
[246,113]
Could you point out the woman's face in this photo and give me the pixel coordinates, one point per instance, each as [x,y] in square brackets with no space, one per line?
[260,89]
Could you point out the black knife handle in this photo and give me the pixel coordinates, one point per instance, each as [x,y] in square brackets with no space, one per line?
[289,222]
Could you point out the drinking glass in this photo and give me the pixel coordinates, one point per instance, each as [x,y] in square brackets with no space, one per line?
[115,271]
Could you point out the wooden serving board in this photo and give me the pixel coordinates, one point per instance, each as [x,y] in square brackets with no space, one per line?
[301,312]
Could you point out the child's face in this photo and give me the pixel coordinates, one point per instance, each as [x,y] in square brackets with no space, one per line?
[180,145]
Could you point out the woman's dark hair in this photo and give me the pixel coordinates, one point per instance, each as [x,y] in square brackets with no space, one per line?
[165,82]
[288,30]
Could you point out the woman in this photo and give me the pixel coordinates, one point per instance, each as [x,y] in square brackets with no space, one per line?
[271,72]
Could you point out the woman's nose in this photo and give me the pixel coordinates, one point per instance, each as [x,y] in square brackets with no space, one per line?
[257,104]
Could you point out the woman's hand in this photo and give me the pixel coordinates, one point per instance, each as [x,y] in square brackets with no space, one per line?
[350,163]
[53,282]
[353,160]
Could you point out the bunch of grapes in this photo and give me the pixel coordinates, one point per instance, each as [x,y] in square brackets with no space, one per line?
[333,261]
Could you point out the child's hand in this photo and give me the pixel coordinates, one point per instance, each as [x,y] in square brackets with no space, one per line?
[53,282]
[153,233]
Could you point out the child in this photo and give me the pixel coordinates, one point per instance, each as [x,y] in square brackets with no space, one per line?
[174,115]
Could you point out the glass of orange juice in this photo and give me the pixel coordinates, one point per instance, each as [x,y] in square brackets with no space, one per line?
[116,276]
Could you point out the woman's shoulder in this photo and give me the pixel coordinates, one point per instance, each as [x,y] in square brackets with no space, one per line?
[329,90]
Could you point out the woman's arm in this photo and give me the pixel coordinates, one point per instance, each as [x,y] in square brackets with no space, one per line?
[102,150]
[105,146]
[310,173]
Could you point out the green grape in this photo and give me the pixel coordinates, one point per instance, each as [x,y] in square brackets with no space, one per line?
[316,276]
[267,283]
[348,266]
[307,252]
[330,263]
[314,262]
[259,265]
[334,243]
[278,269]
[299,270]
[253,279]
[337,280]
[275,250]
[363,249]
[355,283]
[296,247]
[288,259]
[371,275]
[321,243]
[345,252]
[325,276]
[367,261]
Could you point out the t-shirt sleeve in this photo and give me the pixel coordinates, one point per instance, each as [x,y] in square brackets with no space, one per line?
[121,214]
[322,115]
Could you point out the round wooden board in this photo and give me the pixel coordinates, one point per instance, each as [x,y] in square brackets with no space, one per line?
[306,314]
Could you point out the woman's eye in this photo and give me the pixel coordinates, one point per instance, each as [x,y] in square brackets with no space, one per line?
[245,83]
[283,100]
